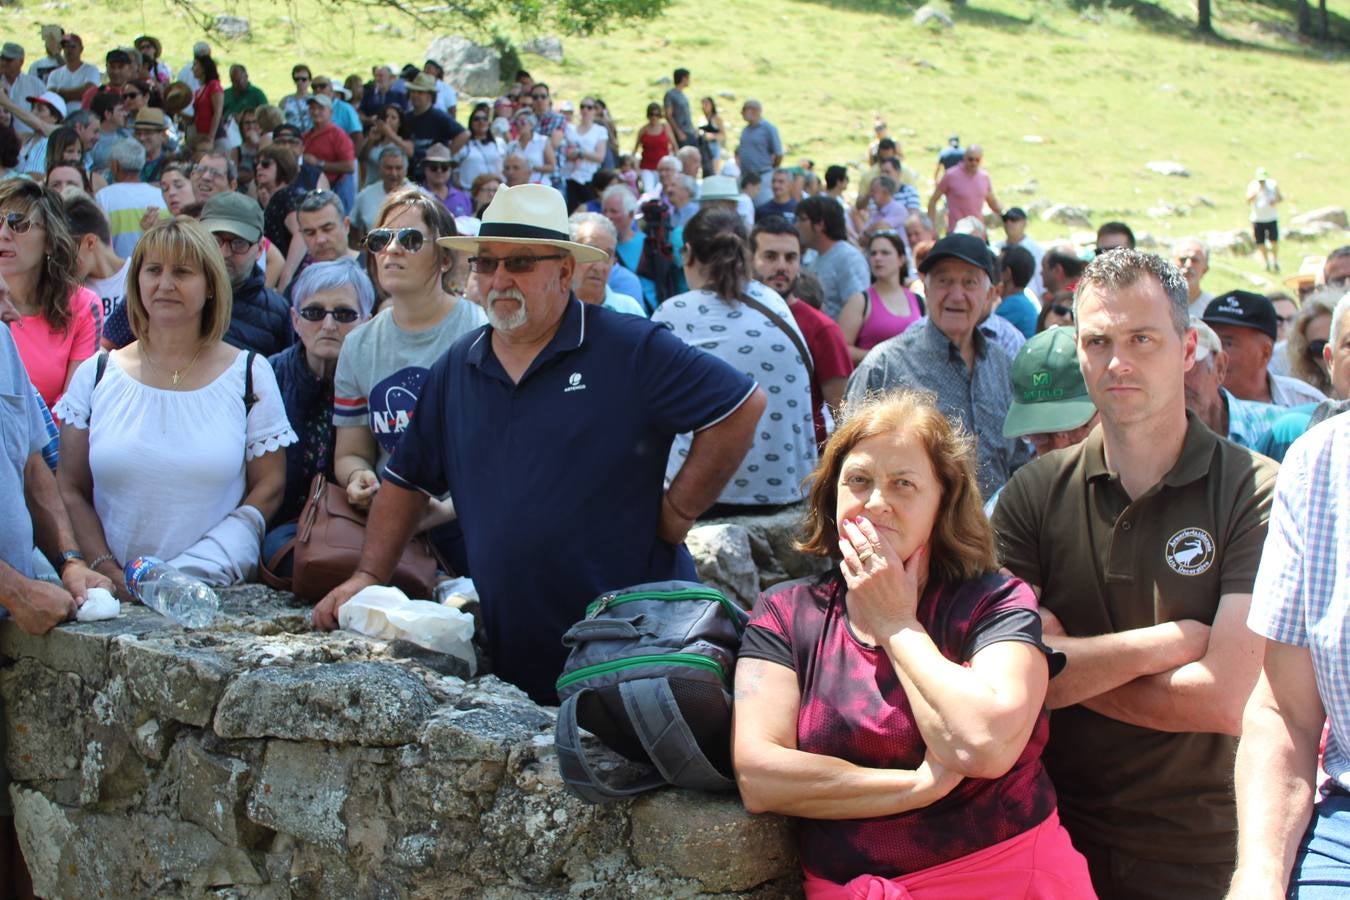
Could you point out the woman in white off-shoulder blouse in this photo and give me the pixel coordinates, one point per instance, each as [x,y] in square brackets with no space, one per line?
[163,454]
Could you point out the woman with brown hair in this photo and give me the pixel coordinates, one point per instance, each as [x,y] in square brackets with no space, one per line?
[896,704]
[173,446]
[385,361]
[1308,334]
[59,320]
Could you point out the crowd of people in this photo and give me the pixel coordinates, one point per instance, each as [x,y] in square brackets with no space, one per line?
[1077,516]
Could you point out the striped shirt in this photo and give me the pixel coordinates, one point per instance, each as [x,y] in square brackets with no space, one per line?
[1302,591]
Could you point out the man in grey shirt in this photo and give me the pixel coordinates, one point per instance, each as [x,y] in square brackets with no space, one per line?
[760,150]
[840,266]
[947,355]
[677,110]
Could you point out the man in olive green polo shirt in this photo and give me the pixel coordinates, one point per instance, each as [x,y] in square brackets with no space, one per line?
[1143,542]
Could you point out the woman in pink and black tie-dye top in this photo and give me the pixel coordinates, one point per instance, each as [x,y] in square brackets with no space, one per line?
[896,704]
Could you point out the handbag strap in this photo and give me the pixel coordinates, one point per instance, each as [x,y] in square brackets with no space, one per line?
[267,569]
[784,327]
[578,774]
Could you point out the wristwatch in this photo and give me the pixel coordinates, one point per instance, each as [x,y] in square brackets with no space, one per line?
[66,557]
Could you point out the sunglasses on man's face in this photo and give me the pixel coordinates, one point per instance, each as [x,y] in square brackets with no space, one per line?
[299,78]
[515,265]
[18,222]
[342,315]
[409,239]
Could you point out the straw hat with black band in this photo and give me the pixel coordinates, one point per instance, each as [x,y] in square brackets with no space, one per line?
[526,214]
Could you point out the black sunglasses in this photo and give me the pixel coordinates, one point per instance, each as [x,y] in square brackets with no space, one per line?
[1059,310]
[409,239]
[1315,348]
[19,223]
[342,314]
[516,265]
[436,166]
[132,95]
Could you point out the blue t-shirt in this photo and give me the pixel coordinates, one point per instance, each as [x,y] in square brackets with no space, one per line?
[558,480]
[624,281]
[1021,312]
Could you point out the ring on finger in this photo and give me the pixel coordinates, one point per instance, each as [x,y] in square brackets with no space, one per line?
[866,554]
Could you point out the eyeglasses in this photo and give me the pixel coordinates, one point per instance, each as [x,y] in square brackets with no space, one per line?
[299,78]
[588,106]
[264,163]
[132,95]
[1060,310]
[478,118]
[515,265]
[235,245]
[1316,348]
[409,239]
[539,96]
[210,172]
[18,222]
[342,315]
[436,166]
[1098,251]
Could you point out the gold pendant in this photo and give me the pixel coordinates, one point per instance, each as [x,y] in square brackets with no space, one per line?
[176,377]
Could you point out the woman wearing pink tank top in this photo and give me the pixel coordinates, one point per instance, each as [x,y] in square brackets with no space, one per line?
[887,307]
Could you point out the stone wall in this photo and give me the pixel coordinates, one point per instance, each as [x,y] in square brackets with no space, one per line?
[260,759]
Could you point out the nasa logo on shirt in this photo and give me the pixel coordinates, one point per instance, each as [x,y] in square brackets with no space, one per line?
[1190,551]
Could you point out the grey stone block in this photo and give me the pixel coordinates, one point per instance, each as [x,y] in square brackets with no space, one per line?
[359,703]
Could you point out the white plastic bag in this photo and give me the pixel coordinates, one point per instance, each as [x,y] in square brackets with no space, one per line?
[386,612]
[98,605]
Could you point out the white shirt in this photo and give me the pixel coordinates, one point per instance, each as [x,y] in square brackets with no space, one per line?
[784,451]
[475,158]
[446,97]
[63,79]
[185,75]
[589,141]
[1287,391]
[24,88]
[1263,204]
[168,466]
[112,289]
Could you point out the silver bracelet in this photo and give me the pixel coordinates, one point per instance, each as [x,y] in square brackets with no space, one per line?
[100,560]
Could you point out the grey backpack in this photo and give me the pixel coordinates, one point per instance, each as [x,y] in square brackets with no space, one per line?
[650,674]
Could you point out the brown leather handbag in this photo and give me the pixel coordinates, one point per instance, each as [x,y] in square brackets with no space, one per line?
[327,549]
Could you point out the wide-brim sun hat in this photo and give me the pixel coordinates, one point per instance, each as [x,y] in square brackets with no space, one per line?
[526,214]
[177,97]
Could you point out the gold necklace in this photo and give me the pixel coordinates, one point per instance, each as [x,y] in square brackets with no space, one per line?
[176,374]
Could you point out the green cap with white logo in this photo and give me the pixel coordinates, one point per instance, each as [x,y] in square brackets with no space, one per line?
[1049,394]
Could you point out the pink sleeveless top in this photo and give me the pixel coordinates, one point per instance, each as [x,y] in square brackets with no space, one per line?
[881,323]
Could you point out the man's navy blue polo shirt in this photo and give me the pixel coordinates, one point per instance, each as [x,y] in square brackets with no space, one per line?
[558,480]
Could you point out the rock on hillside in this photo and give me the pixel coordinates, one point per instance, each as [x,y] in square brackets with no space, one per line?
[1331,215]
[469,67]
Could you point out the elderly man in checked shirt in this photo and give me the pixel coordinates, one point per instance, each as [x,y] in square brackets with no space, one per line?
[1301,605]
[947,354]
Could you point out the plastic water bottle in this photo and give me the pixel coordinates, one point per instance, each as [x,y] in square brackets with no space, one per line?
[170,593]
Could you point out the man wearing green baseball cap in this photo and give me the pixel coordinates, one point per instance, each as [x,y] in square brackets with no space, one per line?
[1051,408]
[260,319]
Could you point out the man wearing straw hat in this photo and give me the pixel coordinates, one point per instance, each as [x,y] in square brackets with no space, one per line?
[550,428]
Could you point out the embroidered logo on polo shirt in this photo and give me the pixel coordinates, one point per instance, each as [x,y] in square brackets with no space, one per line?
[574,383]
[1190,551]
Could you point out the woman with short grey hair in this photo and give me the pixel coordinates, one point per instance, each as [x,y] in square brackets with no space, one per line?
[328,301]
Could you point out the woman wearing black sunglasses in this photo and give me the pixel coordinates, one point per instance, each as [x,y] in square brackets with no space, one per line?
[328,301]
[384,362]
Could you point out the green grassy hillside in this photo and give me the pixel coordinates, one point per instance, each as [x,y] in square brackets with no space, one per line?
[1069,99]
